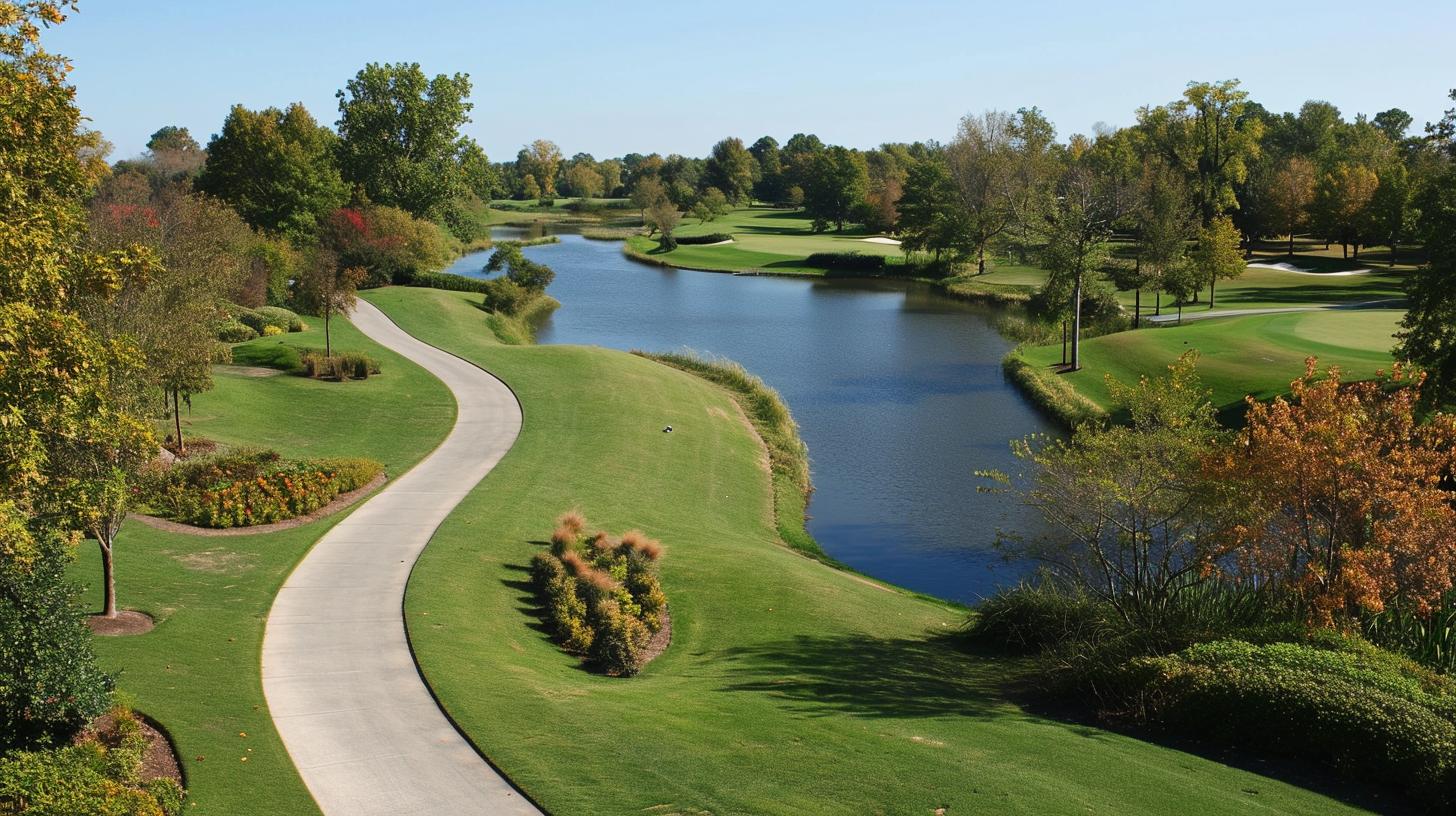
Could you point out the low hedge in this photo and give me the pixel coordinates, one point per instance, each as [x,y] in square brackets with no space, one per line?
[252,486]
[100,774]
[710,238]
[1364,711]
[234,331]
[445,280]
[280,317]
[847,261]
[601,595]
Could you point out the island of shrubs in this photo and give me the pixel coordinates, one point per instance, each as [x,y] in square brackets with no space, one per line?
[242,324]
[601,595]
[249,486]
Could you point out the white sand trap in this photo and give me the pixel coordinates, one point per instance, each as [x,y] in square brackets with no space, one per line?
[719,243]
[878,239]
[1288,267]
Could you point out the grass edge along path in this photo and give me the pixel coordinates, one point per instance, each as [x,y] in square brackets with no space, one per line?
[790,687]
[198,672]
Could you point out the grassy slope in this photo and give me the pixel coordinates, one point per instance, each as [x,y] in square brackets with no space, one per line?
[1256,354]
[197,672]
[789,687]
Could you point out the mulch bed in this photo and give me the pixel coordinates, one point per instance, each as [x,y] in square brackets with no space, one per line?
[660,639]
[340,502]
[126,622]
[160,760]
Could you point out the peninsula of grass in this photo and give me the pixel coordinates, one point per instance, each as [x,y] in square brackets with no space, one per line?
[790,686]
[198,671]
[1257,355]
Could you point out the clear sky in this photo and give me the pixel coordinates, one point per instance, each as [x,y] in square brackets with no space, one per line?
[614,77]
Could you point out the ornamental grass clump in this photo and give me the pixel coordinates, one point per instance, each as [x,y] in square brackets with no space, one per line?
[601,595]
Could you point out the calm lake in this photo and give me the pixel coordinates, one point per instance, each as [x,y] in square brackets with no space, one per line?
[898,392]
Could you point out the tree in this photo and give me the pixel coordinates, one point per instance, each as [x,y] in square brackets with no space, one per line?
[611,171]
[711,204]
[1165,221]
[326,288]
[57,388]
[174,153]
[929,219]
[541,160]
[663,217]
[520,270]
[1212,134]
[770,185]
[276,168]
[1291,192]
[585,181]
[1088,206]
[647,193]
[1427,335]
[1217,254]
[1138,521]
[1393,214]
[1341,207]
[1345,496]
[530,188]
[1394,123]
[1033,178]
[389,244]
[399,136]
[836,182]
[731,168]
[980,160]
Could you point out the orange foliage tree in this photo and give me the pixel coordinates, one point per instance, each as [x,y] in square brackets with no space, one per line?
[1350,501]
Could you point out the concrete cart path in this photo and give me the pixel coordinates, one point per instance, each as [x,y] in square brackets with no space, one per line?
[342,686]
[1171,317]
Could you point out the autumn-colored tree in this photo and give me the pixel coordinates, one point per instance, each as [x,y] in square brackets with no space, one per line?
[662,218]
[1345,497]
[1291,192]
[540,160]
[1341,207]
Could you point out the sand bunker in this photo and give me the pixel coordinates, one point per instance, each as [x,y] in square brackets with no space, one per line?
[881,240]
[1288,267]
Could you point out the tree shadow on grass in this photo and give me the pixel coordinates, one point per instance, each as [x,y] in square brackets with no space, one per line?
[932,676]
[528,602]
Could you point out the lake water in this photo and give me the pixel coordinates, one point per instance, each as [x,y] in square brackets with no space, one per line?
[898,392]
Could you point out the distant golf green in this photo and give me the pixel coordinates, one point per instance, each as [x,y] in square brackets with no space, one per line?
[763,238]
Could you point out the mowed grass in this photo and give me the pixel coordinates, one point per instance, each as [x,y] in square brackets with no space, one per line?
[1257,355]
[789,687]
[198,671]
[763,238]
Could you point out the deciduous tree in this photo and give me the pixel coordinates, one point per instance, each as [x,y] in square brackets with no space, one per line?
[1217,254]
[731,168]
[1290,195]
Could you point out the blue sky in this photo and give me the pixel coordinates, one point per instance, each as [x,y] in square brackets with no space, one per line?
[614,77]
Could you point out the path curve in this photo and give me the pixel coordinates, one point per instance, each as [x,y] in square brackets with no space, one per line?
[342,686]
[1385,303]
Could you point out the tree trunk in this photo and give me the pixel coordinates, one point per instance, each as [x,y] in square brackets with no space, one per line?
[1291,243]
[108,579]
[1211,283]
[328,348]
[1064,341]
[1180,311]
[1077,324]
[1393,243]
[1137,309]
[981,260]
[1344,250]
[1158,303]
[177,420]
[1357,251]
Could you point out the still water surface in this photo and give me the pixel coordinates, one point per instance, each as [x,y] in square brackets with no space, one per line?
[898,392]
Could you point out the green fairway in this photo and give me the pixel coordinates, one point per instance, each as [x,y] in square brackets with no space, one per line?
[763,238]
[1256,354]
[197,672]
[789,687]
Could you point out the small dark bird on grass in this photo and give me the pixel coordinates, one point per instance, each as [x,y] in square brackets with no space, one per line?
[668,429]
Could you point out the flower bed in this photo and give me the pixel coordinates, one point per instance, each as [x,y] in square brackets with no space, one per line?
[246,487]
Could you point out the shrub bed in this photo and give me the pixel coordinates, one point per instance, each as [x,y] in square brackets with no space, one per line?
[252,486]
[601,595]
[710,238]
[445,280]
[852,261]
[234,331]
[349,365]
[281,318]
[100,774]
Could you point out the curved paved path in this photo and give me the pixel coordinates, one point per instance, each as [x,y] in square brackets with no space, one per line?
[341,682]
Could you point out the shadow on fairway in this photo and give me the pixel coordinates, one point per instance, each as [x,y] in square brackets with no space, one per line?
[931,676]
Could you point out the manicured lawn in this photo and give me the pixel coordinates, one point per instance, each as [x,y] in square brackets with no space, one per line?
[1255,354]
[198,671]
[763,238]
[789,687]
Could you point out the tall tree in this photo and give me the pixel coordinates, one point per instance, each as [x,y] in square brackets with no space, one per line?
[1165,220]
[541,160]
[1393,214]
[585,181]
[399,135]
[1290,195]
[1079,227]
[1427,333]
[1341,207]
[1211,133]
[732,169]
[836,182]
[930,221]
[276,168]
[57,389]
[1217,255]
[328,288]
[980,160]
[770,186]
[174,153]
